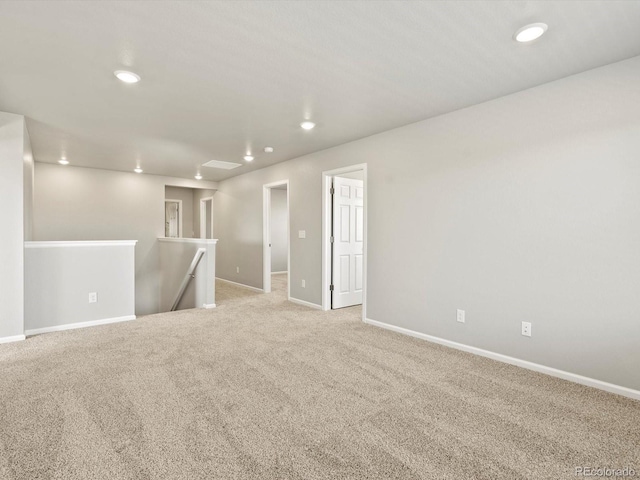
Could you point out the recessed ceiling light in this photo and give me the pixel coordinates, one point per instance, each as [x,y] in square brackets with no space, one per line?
[268,149]
[529,33]
[127,77]
[248,158]
[198,177]
[137,170]
[307,125]
[63,161]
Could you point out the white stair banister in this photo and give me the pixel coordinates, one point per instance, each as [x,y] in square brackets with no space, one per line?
[188,277]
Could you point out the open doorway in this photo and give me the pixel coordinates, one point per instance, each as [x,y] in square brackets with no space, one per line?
[172,218]
[206,217]
[344,237]
[276,256]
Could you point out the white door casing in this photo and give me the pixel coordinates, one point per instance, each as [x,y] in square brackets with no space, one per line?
[348,242]
[173,218]
[266,236]
[206,218]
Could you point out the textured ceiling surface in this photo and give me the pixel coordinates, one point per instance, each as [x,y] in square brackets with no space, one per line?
[223,78]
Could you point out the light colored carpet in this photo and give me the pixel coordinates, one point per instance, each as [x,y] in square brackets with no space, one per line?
[260,388]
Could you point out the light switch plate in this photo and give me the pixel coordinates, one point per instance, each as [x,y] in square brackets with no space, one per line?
[302,234]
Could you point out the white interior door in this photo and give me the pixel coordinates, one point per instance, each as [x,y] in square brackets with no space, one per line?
[348,242]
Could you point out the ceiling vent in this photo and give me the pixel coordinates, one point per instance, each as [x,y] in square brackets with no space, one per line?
[222,165]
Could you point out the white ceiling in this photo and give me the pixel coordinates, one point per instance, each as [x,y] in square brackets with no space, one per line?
[219,78]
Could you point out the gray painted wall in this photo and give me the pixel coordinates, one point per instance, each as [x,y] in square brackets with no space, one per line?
[73,203]
[186,195]
[279,232]
[524,208]
[59,280]
[358,175]
[12,175]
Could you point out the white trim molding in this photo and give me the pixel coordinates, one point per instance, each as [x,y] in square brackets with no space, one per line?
[306,304]
[255,289]
[14,338]
[91,243]
[266,234]
[73,326]
[279,273]
[208,305]
[180,222]
[203,217]
[554,372]
[210,241]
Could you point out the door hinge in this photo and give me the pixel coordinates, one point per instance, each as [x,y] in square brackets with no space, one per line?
[331,239]
[331,288]
[332,191]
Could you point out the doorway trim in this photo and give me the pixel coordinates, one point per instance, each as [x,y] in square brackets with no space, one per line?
[203,214]
[326,234]
[179,202]
[266,234]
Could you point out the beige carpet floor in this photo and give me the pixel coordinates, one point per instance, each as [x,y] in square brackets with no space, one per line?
[260,388]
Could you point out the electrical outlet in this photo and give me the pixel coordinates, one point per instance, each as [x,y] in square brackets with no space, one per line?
[237,269]
[460,316]
[93,297]
[526,329]
[303,284]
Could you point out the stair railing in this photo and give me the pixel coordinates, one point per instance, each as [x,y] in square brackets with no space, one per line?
[191,274]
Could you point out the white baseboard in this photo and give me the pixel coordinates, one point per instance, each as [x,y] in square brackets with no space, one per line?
[72,326]
[306,304]
[240,285]
[554,372]
[279,273]
[208,305]
[14,338]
